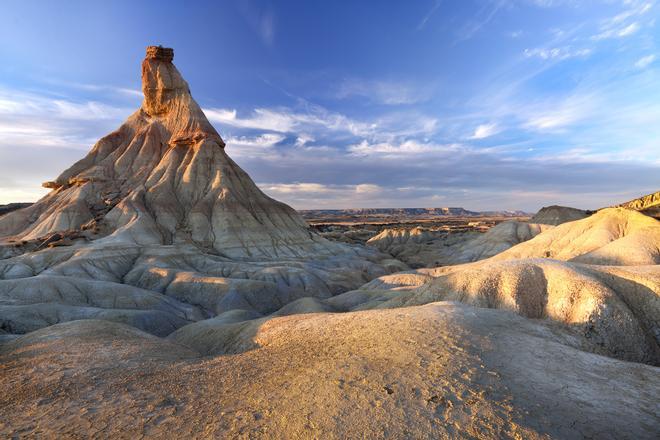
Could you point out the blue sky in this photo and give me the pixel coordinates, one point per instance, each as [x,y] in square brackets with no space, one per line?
[485,104]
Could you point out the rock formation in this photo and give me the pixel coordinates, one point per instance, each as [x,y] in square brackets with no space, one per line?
[164,178]
[648,204]
[157,292]
[157,227]
[599,276]
[419,247]
[614,236]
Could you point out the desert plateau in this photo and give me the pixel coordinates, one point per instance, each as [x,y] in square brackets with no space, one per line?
[153,289]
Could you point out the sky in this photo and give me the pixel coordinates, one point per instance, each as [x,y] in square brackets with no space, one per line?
[483,104]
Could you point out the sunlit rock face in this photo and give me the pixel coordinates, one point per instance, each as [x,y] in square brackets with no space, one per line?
[158,205]
[163,177]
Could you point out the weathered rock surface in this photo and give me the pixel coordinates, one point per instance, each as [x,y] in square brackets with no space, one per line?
[441,370]
[613,236]
[648,204]
[157,219]
[607,288]
[426,248]
[157,292]
[164,178]
[614,309]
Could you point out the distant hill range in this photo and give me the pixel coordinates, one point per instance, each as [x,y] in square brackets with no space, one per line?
[405,213]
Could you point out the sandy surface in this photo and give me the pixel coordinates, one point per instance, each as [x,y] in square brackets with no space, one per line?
[442,370]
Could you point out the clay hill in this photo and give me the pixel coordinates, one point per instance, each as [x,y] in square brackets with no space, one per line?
[157,292]
[157,227]
[164,178]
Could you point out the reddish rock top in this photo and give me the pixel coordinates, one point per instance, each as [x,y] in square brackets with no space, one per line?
[160,53]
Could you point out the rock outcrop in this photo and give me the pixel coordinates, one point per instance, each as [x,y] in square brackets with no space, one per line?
[648,204]
[613,236]
[157,212]
[162,178]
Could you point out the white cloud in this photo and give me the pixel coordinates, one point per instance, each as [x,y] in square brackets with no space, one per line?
[252,145]
[261,119]
[303,139]
[485,130]
[559,113]
[367,188]
[297,188]
[551,121]
[644,62]
[316,121]
[621,31]
[37,106]
[310,194]
[47,134]
[559,53]
[628,30]
[29,119]
[285,120]
[405,148]
[627,22]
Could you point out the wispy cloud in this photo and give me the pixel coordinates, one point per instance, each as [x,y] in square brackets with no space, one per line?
[260,18]
[32,119]
[260,119]
[644,62]
[481,18]
[625,23]
[241,146]
[408,148]
[429,14]
[559,114]
[41,135]
[316,119]
[485,130]
[617,32]
[556,53]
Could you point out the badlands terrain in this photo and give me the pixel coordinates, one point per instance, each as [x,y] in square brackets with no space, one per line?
[157,292]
